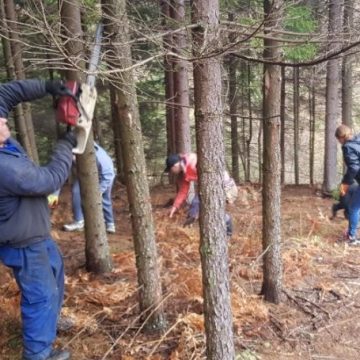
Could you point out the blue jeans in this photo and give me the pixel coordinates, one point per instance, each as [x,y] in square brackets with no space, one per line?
[354,208]
[106,204]
[39,273]
[195,209]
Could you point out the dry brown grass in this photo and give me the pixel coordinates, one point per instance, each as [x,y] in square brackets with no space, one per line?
[105,311]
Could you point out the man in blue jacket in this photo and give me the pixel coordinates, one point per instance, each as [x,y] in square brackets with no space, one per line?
[351,153]
[26,245]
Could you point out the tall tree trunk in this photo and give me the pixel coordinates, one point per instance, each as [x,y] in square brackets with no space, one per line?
[332,112]
[233,101]
[248,141]
[347,82]
[181,82]
[272,267]
[20,124]
[312,118]
[260,154]
[211,166]
[23,118]
[296,123]
[119,157]
[241,98]
[97,252]
[233,118]
[282,122]
[119,57]
[169,81]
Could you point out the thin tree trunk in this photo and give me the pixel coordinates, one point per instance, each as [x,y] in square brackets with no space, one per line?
[23,118]
[97,252]
[332,113]
[249,139]
[232,64]
[181,82]
[312,127]
[260,155]
[169,81]
[119,56]
[242,99]
[282,121]
[119,157]
[296,123]
[20,125]
[347,75]
[272,266]
[211,166]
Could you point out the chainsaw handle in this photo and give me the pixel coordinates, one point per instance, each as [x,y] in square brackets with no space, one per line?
[86,105]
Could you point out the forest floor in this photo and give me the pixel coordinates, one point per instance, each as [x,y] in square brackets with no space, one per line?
[318,319]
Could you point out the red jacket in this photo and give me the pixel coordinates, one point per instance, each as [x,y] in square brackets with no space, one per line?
[189,173]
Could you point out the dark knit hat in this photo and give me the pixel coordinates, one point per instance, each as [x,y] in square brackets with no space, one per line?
[171,160]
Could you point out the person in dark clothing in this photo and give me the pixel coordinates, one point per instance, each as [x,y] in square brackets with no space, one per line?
[26,245]
[351,153]
[343,203]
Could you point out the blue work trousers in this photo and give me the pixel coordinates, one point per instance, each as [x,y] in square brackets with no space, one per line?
[354,208]
[39,273]
[106,204]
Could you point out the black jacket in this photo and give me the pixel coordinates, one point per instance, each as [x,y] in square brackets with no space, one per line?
[351,153]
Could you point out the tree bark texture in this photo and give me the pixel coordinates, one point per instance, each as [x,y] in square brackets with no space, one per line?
[296,105]
[119,157]
[119,57]
[233,97]
[312,117]
[98,259]
[20,124]
[211,166]
[272,266]
[72,33]
[181,81]
[282,121]
[250,135]
[332,112]
[23,118]
[347,61]
[169,80]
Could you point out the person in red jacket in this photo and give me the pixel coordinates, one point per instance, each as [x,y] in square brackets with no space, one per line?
[185,165]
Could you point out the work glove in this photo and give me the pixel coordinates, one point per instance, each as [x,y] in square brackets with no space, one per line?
[344,188]
[53,201]
[57,88]
[70,137]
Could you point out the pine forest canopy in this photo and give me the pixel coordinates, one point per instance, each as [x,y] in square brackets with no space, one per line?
[303,39]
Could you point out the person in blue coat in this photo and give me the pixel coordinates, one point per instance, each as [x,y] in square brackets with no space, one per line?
[106,173]
[351,154]
[26,245]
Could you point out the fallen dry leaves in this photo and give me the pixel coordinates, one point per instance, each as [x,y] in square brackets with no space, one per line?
[104,308]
